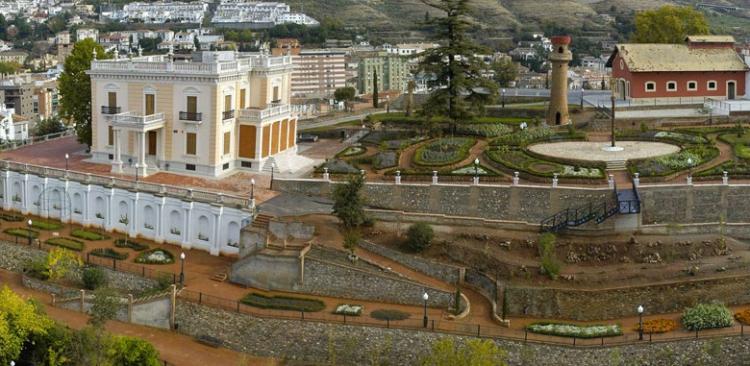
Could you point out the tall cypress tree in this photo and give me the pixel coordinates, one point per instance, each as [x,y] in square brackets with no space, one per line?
[459,90]
[375,90]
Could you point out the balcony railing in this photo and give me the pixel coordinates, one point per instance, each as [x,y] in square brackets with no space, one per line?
[228,114]
[110,110]
[271,110]
[191,116]
[130,119]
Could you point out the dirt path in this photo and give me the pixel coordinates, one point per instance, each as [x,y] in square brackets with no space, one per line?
[174,348]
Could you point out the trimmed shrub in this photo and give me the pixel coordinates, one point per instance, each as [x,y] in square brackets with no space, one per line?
[21,232]
[656,326]
[68,243]
[109,253]
[155,256]
[577,331]
[707,316]
[283,302]
[419,236]
[349,310]
[46,225]
[88,235]
[93,278]
[11,217]
[391,315]
[550,264]
[122,243]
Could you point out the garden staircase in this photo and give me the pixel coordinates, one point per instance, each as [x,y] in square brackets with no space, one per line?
[623,202]
[261,221]
[616,165]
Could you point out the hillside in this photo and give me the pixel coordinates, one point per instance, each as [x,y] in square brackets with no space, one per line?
[400,19]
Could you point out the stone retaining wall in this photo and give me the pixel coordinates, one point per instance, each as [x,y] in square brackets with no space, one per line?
[314,342]
[485,285]
[590,305]
[336,280]
[444,272]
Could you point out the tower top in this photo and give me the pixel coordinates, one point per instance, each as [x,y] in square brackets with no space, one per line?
[560,40]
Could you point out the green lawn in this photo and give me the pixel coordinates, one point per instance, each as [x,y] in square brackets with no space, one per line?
[740,144]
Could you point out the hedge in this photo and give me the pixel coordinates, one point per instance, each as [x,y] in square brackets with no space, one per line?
[109,253]
[576,331]
[144,257]
[67,243]
[391,315]
[122,243]
[88,235]
[21,232]
[283,302]
[46,225]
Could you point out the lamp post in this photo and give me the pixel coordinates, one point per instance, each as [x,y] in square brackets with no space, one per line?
[613,120]
[476,168]
[640,322]
[66,162]
[387,104]
[29,222]
[425,297]
[273,167]
[503,100]
[182,269]
[582,89]
[252,188]
[690,167]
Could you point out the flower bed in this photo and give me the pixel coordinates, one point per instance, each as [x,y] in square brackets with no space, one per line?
[67,243]
[672,163]
[469,170]
[740,144]
[351,151]
[401,143]
[155,256]
[88,235]
[707,316]
[337,166]
[538,134]
[577,331]
[283,302]
[443,151]
[483,129]
[385,159]
[349,310]
[391,315]
[21,232]
[11,217]
[109,253]
[656,326]
[743,316]
[518,160]
[122,243]
[46,225]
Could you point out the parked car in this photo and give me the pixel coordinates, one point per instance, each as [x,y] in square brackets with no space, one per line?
[306,137]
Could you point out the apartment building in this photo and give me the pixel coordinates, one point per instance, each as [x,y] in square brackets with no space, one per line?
[392,72]
[208,116]
[87,33]
[13,56]
[317,72]
[260,13]
[163,12]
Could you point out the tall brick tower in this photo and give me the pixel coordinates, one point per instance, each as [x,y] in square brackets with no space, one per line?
[560,57]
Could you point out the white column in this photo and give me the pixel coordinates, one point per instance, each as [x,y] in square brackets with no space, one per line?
[141,165]
[159,229]
[133,227]
[117,160]
[7,199]
[110,211]
[44,199]
[86,204]
[187,232]
[25,199]
[218,243]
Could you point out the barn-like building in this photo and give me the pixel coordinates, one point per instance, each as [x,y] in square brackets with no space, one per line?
[702,67]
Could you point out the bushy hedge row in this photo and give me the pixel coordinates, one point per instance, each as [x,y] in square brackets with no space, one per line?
[88,235]
[109,253]
[577,331]
[707,316]
[122,243]
[67,243]
[283,302]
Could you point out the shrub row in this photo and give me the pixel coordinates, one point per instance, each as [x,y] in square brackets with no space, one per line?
[109,253]
[283,302]
[88,235]
[122,243]
[67,243]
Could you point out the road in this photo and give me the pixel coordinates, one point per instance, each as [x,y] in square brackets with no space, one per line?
[308,125]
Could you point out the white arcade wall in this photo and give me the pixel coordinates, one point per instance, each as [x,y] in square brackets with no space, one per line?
[213,227]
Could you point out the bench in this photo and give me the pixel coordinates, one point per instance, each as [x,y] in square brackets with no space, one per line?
[209,341]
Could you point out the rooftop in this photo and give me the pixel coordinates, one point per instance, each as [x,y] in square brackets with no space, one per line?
[648,57]
[202,63]
[710,39]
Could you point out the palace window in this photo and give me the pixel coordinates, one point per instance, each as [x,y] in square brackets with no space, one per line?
[671,86]
[190,143]
[650,86]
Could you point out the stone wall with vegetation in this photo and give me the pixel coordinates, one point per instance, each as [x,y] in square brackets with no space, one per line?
[673,205]
[315,342]
[589,305]
[444,272]
[327,278]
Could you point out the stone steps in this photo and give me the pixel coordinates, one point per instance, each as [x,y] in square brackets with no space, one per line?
[616,165]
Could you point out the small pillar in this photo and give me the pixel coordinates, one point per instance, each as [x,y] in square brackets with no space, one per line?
[434,177]
[637,180]
[398,177]
[362,171]
[554,180]
[130,308]
[82,304]
[326,175]
[515,178]
[725,178]
[690,179]
[611,181]
[476,180]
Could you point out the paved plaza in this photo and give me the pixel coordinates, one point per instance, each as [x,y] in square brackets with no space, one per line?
[594,151]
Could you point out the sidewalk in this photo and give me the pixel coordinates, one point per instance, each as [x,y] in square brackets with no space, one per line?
[174,348]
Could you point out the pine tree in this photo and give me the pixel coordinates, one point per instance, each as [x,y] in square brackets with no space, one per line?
[375,89]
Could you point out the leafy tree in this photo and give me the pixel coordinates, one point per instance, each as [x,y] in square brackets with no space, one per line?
[93,278]
[348,202]
[60,262]
[410,86]
[10,67]
[375,91]
[128,351]
[75,87]
[473,352]
[104,307]
[345,94]
[351,240]
[19,320]
[668,24]
[458,85]
[419,236]
[46,126]
[150,45]
[550,264]
[505,71]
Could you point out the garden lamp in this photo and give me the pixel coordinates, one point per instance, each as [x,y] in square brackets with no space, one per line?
[640,322]
[425,297]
